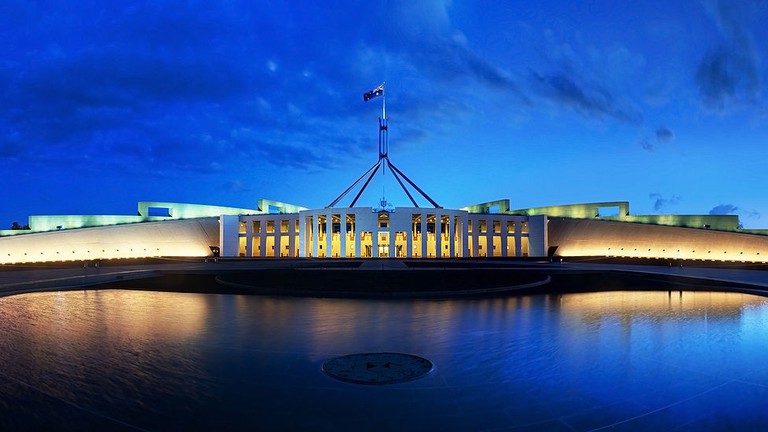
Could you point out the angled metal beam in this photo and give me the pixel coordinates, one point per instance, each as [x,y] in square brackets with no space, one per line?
[394,174]
[366,183]
[394,169]
[354,184]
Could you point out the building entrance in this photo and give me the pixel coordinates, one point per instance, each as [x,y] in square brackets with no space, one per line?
[383,245]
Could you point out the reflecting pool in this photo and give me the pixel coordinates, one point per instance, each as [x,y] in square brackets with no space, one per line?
[127,360]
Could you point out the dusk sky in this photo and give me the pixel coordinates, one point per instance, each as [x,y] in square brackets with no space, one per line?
[662,103]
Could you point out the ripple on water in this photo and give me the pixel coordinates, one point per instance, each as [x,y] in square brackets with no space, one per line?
[122,359]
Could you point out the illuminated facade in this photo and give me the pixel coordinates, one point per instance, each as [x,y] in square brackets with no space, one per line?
[279,230]
[362,232]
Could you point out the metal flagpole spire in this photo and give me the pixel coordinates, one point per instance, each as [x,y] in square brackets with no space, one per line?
[383,160]
[383,134]
[383,101]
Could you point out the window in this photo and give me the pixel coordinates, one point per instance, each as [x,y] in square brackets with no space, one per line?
[608,211]
[270,226]
[383,220]
[159,211]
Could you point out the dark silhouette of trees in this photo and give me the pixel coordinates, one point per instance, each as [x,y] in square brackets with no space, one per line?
[15,226]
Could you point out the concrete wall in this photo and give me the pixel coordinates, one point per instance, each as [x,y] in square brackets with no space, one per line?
[228,235]
[192,211]
[538,236]
[581,211]
[715,222]
[582,237]
[148,239]
[56,222]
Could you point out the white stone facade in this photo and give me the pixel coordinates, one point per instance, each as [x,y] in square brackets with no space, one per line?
[361,232]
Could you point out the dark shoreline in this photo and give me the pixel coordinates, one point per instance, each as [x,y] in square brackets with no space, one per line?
[387,278]
[393,284]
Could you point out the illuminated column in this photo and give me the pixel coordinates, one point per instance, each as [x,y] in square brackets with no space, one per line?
[303,230]
[409,237]
[392,235]
[375,240]
[315,234]
[475,236]
[464,236]
[424,235]
[277,244]
[489,237]
[451,236]
[343,235]
[358,224]
[291,237]
[438,235]
[328,236]
[503,228]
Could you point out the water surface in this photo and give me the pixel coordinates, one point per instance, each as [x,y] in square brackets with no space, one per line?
[128,360]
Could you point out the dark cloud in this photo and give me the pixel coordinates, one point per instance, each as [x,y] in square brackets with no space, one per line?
[724,209]
[589,99]
[663,134]
[154,86]
[659,202]
[725,78]
[646,145]
[729,75]
[447,60]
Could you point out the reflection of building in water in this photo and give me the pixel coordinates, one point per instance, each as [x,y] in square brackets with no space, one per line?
[655,304]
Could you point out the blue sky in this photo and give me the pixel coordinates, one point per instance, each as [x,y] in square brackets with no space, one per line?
[656,102]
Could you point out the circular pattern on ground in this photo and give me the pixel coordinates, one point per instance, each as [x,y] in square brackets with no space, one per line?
[377,368]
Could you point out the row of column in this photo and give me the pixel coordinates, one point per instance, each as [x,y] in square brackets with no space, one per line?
[369,222]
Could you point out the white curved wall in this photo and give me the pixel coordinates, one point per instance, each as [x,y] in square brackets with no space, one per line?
[579,237]
[190,237]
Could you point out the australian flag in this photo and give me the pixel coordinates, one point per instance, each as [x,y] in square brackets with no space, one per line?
[378,91]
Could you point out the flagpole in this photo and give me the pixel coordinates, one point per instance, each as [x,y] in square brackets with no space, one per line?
[383,161]
[383,145]
[383,101]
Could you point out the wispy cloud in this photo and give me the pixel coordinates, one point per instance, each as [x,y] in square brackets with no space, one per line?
[664,134]
[587,99]
[723,209]
[660,203]
[588,80]
[647,145]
